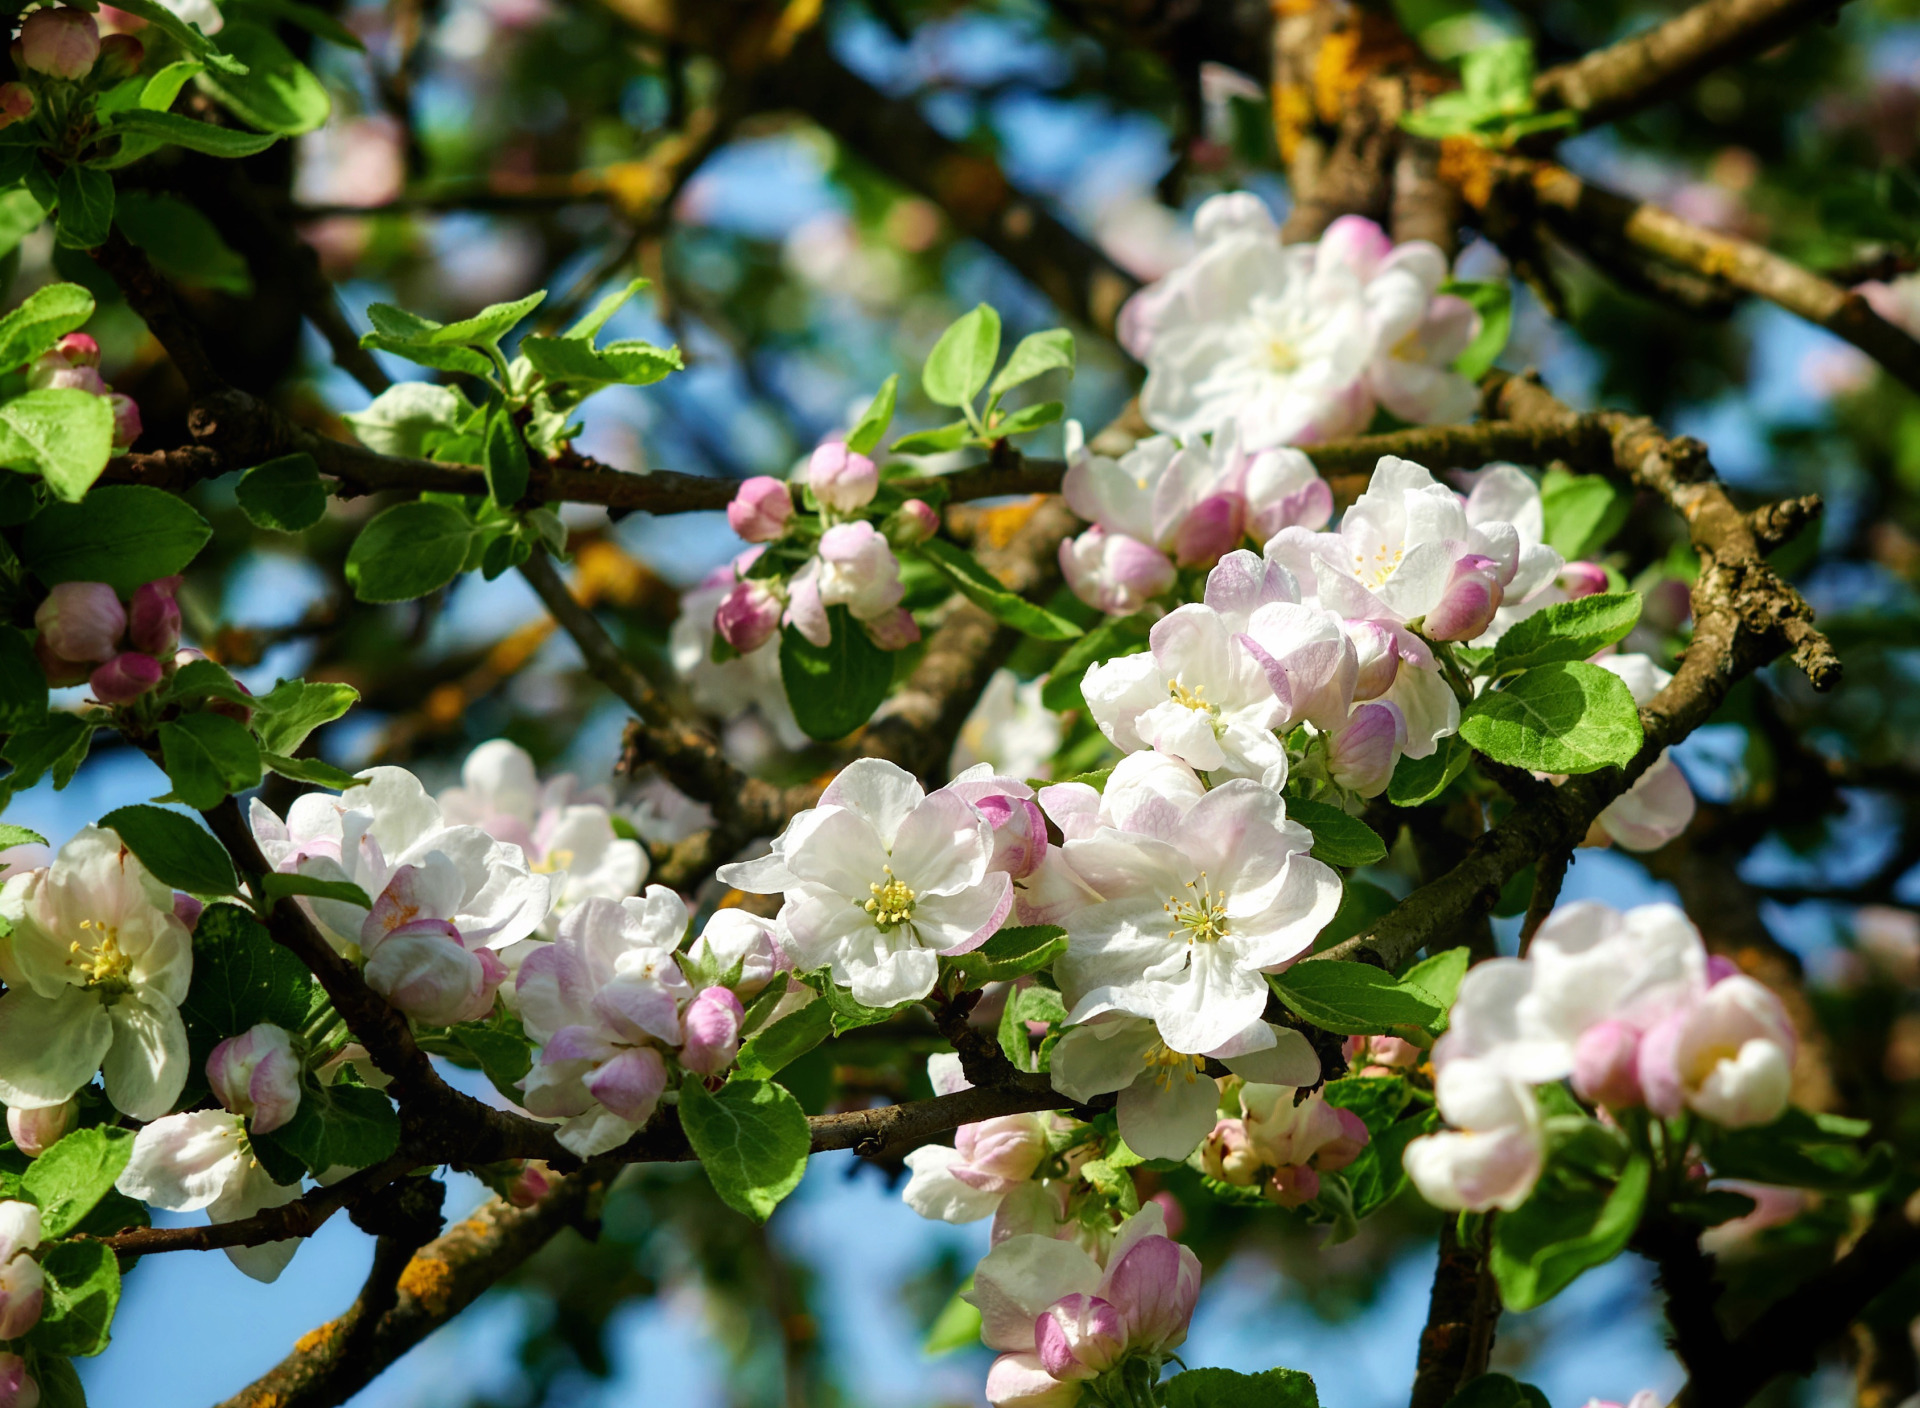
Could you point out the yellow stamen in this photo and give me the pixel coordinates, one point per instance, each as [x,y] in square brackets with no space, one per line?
[1164,1064]
[1201,914]
[892,902]
[103,962]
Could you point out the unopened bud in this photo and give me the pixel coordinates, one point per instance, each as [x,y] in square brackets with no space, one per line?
[16,103]
[748,616]
[120,57]
[913,522]
[760,509]
[1211,530]
[36,1131]
[1079,1336]
[1229,1155]
[81,622]
[1344,1147]
[60,43]
[712,1024]
[256,1075]
[125,678]
[893,630]
[1468,604]
[1379,656]
[1361,755]
[1578,579]
[1019,833]
[17,1387]
[842,480]
[78,349]
[1293,1185]
[153,617]
[126,419]
[1606,1065]
[534,1181]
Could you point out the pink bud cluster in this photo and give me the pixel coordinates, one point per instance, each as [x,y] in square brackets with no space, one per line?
[852,563]
[1282,1147]
[74,362]
[63,45]
[85,634]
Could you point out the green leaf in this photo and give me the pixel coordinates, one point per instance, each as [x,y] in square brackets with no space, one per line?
[1028,418]
[161,89]
[181,855]
[277,93]
[23,688]
[242,978]
[1418,780]
[1567,630]
[1543,1245]
[502,1049]
[1338,839]
[1112,638]
[350,1125]
[408,551]
[60,1385]
[292,709]
[61,433]
[278,885]
[1568,717]
[307,17]
[957,1326]
[20,216]
[962,360]
[1497,1391]
[283,495]
[84,215]
[182,243]
[1036,354]
[189,36]
[1439,976]
[1376,1174]
[780,1043]
[47,315]
[1494,303]
[1800,1150]
[406,415]
[574,361]
[876,418]
[849,1013]
[1009,954]
[58,742]
[448,359]
[82,1290]
[835,688]
[11,835]
[123,535]
[598,316]
[507,468]
[1582,512]
[207,757]
[1030,1004]
[934,442]
[1352,998]
[68,1179]
[313,770]
[983,589]
[1223,1388]
[204,679]
[170,128]
[752,1140]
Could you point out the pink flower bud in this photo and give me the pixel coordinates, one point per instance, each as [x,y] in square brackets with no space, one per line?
[256,1075]
[1606,1065]
[534,1181]
[16,103]
[81,622]
[1154,1287]
[53,370]
[760,509]
[120,57]
[1170,1208]
[1019,833]
[60,673]
[187,910]
[1362,754]
[1079,1337]
[748,616]
[125,678]
[713,1022]
[1229,1155]
[1578,579]
[630,1084]
[857,569]
[1720,968]
[1378,651]
[36,1131]
[1112,572]
[1022,1381]
[843,480]
[1344,1147]
[126,420]
[1471,598]
[59,43]
[153,617]
[893,630]
[1211,530]
[995,1154]
[239,713]
[913,522]
[1293,1185]
[79,350]
[17,1387]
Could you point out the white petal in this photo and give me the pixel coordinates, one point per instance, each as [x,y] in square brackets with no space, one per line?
[146,1067]
[50,1047]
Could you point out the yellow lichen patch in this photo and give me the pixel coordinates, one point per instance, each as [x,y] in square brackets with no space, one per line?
[444,705]
[998,525]
[603,573]
[429,1281]
[318,1338]
[1335,74]
[1292,114]
[1467,166]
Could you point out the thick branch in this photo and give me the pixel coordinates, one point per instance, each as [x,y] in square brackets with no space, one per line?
[1463,1311]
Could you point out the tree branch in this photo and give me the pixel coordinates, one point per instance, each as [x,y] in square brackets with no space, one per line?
[1463,1311]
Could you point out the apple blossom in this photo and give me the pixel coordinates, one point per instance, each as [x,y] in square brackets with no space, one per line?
[881,879]
[1309,662]
[730,690]
[202,1159]
[603,1000]
[760,509]
[1188,921]
[854,568]
[1362,752]
[1377,654]
[18,1388]
[1010,728]
[81,622]
[120,57]
[1079,1336]
[60,43]
[712,1025]
[35,1131]
[125,678]
[966,1182]
[1727,1056]
[22,1286]
[417,956]
[843,480]
[96,968]
[153,617]
[1468,603]
[735,936]
[1114,573]
[257,1075]
[1492,1156]
[912,523]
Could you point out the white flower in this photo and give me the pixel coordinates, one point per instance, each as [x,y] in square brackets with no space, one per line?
[1729,1057]
[603,1000]
[881,879]
[729,689]
[1659,805]
[565,831]
[1492,1157]
[96,968]
[1009,728]
[1189,918]
[1198,695]
[1272,339]
[201,1159]
[1168,1103]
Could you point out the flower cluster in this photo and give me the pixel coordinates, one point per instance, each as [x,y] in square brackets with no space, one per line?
[1626,1006]
[85,635]
[22,1295]
[810,562]
[58,47]
[1282,1142]
[74,361]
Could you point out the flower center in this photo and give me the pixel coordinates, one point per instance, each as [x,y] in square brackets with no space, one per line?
[551,862]
[1374,572]
[1409,348]
[1281,357]
[892,903]
[1164,1065]
[1180,694]
[106,967]
[1201,913]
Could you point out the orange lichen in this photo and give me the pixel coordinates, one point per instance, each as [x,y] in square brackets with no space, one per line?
[1468,167]
[998,525]
[429,1281]
[318,1338]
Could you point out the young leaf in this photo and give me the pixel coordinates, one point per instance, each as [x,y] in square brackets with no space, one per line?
[182,243]
[1037,353]
[877,417]
[490,324]
[242,978]
[292,709]
[1494,303]
[208,756]
[284,495]
[68,1179]
[172,128]
[1032,1004]
[42,319]
[957,1326]
[1338,839]
[1567,630]
[180,854]
[277,885]
[1417,780]
[933,442]
[309,770]
[408,551]
[23,687]
[61,433]
[1439,977]
[123,535]
[348,1125]
[598,316]
[1009,954]
[777,1045]
[507,468]
[161,89]
[1581,512]
[1223,1388]
[1569,717]
[404,416]
[189,36]
[11,835]
[1028,418]
[752,1140]
[58,742]
[84,197]
[834,688]
[1352,998]
[962,360]
[980,587]
[576,362]
[277,94]
[1563,1230]
[82,1291]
